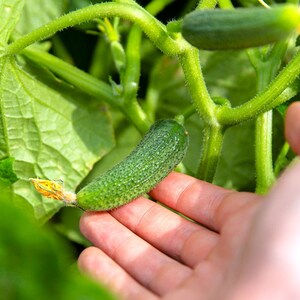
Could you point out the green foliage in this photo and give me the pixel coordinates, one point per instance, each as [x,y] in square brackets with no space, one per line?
[45,127]
[7,174]
[10,12]
[36,264]
[38,13]
[61,122]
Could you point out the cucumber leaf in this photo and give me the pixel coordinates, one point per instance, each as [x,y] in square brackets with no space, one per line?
[236,169]
[229,74]
[37,13]
[10,11]
[7,173]
[50,130]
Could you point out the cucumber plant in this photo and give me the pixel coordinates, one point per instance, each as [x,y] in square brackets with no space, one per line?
[83,84]
[265,36]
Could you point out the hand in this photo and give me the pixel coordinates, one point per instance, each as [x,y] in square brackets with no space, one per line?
[241,245]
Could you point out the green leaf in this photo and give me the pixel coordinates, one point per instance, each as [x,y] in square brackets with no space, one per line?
[36,264]
[77,4]
[37,13]
[7,173]
[51,130]
[229,74]
[68,225]
[166,92]
[10,12]
[236,169]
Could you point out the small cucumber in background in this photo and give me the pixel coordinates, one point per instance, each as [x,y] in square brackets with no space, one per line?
[158,153]
[218,29]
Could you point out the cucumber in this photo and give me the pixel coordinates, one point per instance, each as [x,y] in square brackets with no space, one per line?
[218,29]
[158,153]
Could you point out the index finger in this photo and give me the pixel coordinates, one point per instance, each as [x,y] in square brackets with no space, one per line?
[201,201]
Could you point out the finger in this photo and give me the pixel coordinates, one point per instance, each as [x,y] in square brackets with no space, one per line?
[153,269]
[272,250]
[201,201]
[103,269]
[292,126]
[280,211]
[167,231]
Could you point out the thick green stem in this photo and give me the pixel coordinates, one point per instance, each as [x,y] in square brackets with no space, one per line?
[156,6]
[263,152]
[266,67]
[282,161]
[205,106]
[268,99]
[137,116]
[75,76]
[60,50]
[188,112]
[88,84]
[155,30]
[204,4]
[130,81]
[151,102]
[100,61]
[212,146]
[225,4]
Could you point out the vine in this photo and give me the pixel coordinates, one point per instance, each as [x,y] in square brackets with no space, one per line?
[272,90]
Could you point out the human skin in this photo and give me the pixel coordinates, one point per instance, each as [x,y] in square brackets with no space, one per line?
[240,245]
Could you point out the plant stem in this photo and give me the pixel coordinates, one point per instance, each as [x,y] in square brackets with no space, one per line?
[212,146]
[130,81]
[213,133]
[60,50]
[155,30]
[205,106]
[263,152]
[207,4]
[88,84]
[188,112]
[98,66]
[225,4]
[130,78]
[263,138]
[282,161]
[268,99]
[266,66]
[151,101]
[137,116]
[156,6]
[75,76]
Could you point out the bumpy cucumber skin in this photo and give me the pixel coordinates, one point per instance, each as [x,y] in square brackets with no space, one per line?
[218,29]
[158,153]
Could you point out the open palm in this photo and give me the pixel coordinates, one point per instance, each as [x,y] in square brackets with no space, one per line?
[233,246]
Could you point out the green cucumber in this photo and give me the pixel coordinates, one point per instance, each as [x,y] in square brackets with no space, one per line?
[218,29]
[158,153]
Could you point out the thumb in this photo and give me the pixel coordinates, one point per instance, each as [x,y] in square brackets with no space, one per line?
[292,126]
